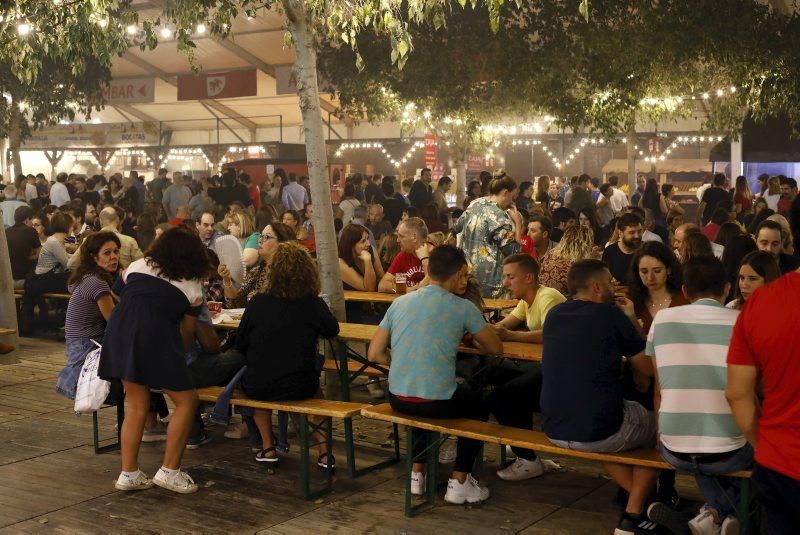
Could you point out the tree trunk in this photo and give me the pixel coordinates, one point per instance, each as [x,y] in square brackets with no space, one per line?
[632,157]
[461,182]
[305,70]
[15,140]
[8,312]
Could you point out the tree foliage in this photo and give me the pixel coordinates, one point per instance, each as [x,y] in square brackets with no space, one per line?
[632,56]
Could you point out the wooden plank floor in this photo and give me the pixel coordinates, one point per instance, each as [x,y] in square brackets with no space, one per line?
[51,481]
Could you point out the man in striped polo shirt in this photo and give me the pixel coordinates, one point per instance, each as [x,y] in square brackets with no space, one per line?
[689,345]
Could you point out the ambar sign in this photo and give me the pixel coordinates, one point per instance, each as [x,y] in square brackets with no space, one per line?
[130,91]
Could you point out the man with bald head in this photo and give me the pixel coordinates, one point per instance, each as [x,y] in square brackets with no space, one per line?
[129,250]
[685,230]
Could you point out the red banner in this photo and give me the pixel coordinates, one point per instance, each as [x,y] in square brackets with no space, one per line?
[230,84]
[479,163]
[430,150]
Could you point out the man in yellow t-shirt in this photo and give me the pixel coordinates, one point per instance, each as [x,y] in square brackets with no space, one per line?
[521,279]
[517,385]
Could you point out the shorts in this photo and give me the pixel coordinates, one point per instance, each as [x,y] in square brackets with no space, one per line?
[638,429]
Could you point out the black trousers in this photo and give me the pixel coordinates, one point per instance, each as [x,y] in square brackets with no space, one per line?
[515,396]
[465,403]
[35,287]
[780,498]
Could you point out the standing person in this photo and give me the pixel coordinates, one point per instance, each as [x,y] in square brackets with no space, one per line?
[688,346]
[372,191]
[421,193]
[711,197]
[580,197]
[138,184]
[619,201]
[177,195]
[492,230]
[279,335]
[349,203]
[554,199]
[59,194]
[764,363]
[393,205]
[770,238]
[422,378]
[773,193]
[90,305]
[294,196]
[158,185]
[377,224]
[473,192]
[143,347]
[31,192]
[524,200]
[618,255]
[582,394]
[605,206]
[10,205]
[652,199]
[542,196]
[742,197]
[641,181]
[440,196]
[668,192]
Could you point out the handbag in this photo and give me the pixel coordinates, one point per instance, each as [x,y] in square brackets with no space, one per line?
[91,392]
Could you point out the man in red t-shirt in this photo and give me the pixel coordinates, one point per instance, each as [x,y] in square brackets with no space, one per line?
[766,345]
[412,260]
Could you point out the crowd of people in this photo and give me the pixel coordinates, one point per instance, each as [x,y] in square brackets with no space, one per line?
[648,321]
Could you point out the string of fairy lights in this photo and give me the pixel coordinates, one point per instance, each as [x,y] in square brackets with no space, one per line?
[399,162]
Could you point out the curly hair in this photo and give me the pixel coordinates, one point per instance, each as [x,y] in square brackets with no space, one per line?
[178,254]
[576,244]
[637,291]
[292,273]
[87,265]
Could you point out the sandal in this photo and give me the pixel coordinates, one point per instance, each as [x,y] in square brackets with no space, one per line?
[331,461]
[261,456]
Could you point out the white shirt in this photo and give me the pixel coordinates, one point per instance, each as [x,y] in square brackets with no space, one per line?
[618,200]
[702,189]
[59,195]
[294,197]
[30,192]
[651,236]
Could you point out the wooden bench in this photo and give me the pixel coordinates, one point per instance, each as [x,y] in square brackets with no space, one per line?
[6,332]
[492,433]
[19,294]
[313,407]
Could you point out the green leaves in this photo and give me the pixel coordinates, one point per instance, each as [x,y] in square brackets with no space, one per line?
[583,9]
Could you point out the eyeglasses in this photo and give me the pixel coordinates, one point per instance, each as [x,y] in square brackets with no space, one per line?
[265,237]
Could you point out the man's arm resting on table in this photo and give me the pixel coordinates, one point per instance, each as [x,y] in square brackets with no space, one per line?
[741,395]
[378,346]
[386,284]
[488,340]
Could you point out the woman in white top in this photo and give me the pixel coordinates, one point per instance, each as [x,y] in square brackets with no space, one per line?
[773,193]
[348,203]
[53,257]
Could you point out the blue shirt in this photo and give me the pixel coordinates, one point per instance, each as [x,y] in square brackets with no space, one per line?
[426,327]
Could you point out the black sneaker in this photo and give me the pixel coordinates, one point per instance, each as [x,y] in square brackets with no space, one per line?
[664,515]
[636,525]
[195,443]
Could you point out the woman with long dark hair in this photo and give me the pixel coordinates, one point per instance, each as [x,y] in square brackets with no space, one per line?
[652,198]
[361,270]
[90,304]
[758,268]
[654,282]
[144,348]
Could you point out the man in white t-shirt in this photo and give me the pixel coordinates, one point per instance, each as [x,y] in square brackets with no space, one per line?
[618,198]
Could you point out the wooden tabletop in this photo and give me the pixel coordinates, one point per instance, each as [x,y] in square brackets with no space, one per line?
[490,305]
[6,332]
[356,332]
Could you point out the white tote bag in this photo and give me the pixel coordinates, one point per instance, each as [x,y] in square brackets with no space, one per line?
[91,391]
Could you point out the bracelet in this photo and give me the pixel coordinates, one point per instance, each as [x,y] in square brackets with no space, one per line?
[227,284]
[423,258]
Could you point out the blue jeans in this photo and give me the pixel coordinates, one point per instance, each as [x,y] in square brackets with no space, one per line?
[76,349]
[720,492]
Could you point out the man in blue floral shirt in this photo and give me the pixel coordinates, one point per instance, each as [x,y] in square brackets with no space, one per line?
[491,230]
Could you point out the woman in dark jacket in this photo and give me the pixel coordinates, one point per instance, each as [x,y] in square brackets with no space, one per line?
[278,335]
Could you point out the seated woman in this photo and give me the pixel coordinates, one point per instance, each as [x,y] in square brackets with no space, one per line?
[291,218]
[758,268]
[361,270]
[241,227]
[90,306]
[577,243]
[256,278]
[278,335]
[655,282]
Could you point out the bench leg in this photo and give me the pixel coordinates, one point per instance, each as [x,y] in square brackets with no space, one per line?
[431,465]
[350,447]
[344,376]
[98,449]
[305,463]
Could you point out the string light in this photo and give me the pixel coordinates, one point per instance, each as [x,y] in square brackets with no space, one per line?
[344,147]
[23,29]
[201,28]
[680,140]
[166,33]
[132,29]
[671,102]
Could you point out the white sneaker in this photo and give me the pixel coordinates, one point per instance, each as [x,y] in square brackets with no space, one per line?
[417,483]
[510,455]
[138,482]
[730,526]
[469,491]
[447,452]
[703,524]
[521,469]
[157,434]
[179,482]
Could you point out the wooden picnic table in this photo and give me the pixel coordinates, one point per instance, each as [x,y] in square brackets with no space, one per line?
[490,305]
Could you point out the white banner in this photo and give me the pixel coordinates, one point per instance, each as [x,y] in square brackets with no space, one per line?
[130,91]
[93,136]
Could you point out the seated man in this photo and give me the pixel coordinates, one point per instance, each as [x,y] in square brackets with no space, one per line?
[23,245]
[582,403]
[425,329]
[689,346]
[770,238]
[410,262]
[518,385]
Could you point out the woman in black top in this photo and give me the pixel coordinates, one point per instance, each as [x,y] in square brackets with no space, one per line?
[278,335]
[652,198]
